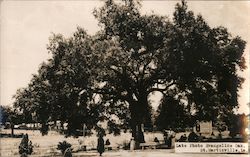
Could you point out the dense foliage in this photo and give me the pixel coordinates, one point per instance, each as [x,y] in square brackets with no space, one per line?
[111,75]
[203,62]
[63,146]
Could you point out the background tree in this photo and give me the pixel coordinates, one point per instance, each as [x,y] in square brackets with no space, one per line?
[69,76]
[62,88]
[172,114]
[237,124]
[11,116]
[4,113]
[205,62]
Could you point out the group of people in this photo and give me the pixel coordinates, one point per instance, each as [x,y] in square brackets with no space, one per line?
[168,139]
[192,137]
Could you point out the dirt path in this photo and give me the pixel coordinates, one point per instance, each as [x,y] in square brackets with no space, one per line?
[154,153]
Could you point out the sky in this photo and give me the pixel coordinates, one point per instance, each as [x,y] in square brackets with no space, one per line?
[25,27]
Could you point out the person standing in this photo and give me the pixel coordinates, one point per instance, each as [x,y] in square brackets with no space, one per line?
[100,145]
[132,144]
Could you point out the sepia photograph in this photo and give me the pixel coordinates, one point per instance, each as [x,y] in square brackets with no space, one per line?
[124,78]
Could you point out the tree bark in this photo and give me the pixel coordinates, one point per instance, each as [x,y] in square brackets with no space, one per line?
[12,129]
[138,135]
[137,117]
[139,109]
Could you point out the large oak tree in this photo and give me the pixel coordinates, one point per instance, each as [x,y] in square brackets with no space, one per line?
[112,74]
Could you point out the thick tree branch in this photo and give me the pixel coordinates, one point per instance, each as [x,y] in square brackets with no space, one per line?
[161,89]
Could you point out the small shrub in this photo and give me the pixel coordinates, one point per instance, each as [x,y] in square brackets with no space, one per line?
[62,146]
[126,145]
[25,147]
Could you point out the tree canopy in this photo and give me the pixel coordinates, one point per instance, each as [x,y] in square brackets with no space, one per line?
[110,75]
[204,64]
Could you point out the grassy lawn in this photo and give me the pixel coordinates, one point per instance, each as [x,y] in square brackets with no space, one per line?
[45,146]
